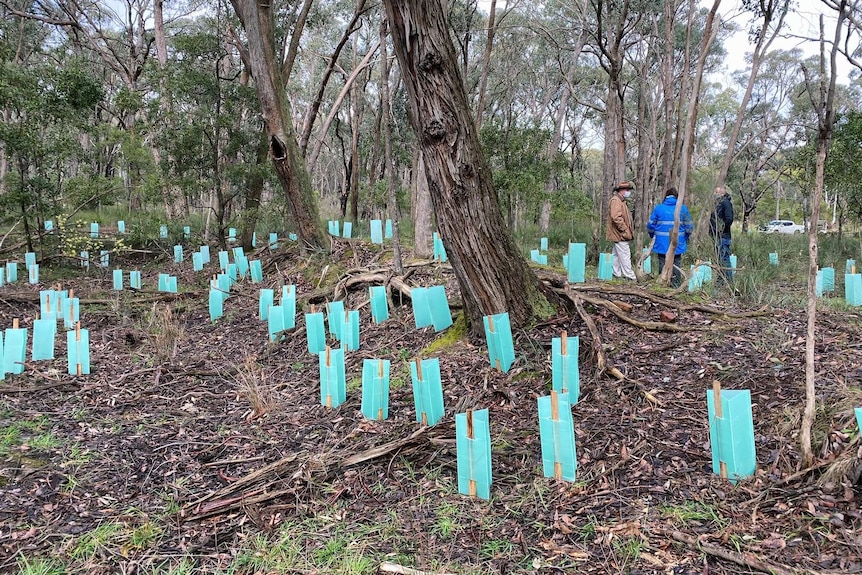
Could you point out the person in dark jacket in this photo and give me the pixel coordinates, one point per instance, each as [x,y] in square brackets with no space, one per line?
[719,229]
[660,227]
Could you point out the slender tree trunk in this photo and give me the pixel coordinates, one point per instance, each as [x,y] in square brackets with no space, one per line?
[709,33]
[423,234]
[253,193]
[311,113]
[387,151]
[492,274]
[486,66]
[824,105]
[289,165]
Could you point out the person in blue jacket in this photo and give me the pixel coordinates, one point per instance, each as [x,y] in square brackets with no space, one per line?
[660,227]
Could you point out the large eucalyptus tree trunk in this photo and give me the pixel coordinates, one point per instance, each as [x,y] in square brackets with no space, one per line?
[492,274]
[267,71]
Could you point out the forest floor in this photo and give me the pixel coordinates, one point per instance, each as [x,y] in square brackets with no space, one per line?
[198,447]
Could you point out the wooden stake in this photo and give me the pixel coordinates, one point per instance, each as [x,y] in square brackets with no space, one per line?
[15,323]
[564,351]
[716,399]
[472,484]
[555,416]
[328,392]
[492,332]
[78,367]
[419,377]
[380,375]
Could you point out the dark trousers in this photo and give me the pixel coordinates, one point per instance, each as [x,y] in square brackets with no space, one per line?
[676,278]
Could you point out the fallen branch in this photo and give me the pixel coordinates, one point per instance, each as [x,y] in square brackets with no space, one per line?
[601,359]
[744,558]
[387,567]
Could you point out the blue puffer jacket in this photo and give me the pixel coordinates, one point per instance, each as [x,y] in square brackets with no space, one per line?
[661,223]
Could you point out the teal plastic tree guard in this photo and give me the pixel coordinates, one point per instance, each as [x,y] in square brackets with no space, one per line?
[534,256]
[33,274]
[828,279]
[427,390]
[376,232]
[695,280]
[29,259]
[49,225]
[242,266]
[773,258]
[163,231]
[350,335]
[818,284]
[94,230]
[273,241]
[850,268]
[172,284]
[858,411]
[566,374]
[543,244]
[731,433]
[388,233]
[104,258]
[288,302]
[606,266]
[238,253]
[333,387]
[232,272]
[254,239]
[121,226]
[78,351]
[379,304]
[118,280]
[267,300]
[2,352]
[163,282]
[275,323]
[315,332]
[231,235]
[44,331]
[49,300]
[256,271]
[15,349]
[197,261]
[439,249]
[11,272]
[135,281]
[335,317]
[216,304]
[71,312]
[473,440]
[187,231]
[2,276]
[498,333]
[375,389]
[853,289]
[223,283]
[347,230]
[223,260]
[566,263]
[733,260]
[430,307]
[178,254]
[205,254]
[646,267]
[85,260]
[557,430]
[334,228]
[292,237]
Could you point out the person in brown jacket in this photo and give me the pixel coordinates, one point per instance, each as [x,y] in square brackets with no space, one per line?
[620,230]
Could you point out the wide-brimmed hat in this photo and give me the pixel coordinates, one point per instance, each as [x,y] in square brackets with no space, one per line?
[627,185]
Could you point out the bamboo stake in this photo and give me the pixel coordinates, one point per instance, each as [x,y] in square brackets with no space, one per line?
[716,396]
[564,351]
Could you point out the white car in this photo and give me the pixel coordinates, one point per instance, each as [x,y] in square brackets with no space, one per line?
[784,227]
